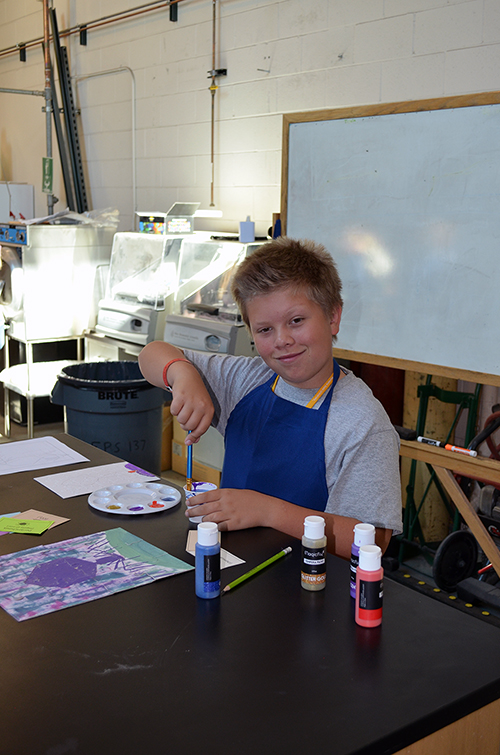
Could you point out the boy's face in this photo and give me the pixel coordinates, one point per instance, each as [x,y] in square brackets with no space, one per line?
[293,336]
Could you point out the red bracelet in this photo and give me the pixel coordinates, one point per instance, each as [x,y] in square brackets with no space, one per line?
[177,359]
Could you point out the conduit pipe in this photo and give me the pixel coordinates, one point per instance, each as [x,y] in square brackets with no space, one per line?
[33,92]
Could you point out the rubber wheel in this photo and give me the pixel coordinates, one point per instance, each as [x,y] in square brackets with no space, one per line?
[455,560]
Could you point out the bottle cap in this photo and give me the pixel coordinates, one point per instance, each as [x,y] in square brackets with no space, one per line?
[314,527]
[364,534]
[370,557]
[208,533]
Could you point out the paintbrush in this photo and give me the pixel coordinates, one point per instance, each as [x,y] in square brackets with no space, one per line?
[189,467]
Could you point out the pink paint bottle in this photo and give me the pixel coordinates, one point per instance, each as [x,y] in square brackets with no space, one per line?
[369,587]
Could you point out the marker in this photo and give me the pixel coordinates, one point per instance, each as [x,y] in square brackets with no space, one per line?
[447,446]
[189,467]
[257,569]
[485,568]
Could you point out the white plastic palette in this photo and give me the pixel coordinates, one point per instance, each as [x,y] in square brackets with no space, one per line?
[135,498]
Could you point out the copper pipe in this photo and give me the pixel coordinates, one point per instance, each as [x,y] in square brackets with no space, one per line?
[104,21]
[46,37]
[213,89]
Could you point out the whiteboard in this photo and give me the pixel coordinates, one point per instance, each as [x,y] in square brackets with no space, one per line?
[408,205]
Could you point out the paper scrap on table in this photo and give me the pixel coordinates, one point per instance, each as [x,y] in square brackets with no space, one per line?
[226,559]
[14,513]
[24,526]
[33,515]
[81,481]
[41,516]
[36,453]
[59,575]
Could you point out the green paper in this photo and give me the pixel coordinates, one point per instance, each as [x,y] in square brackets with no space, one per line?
[28,526]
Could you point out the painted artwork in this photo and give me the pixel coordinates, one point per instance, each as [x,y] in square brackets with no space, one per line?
[59,575]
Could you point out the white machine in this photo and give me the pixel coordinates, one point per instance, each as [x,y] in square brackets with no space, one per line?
[153,276]
[208,334]
[48,278]
[143,272]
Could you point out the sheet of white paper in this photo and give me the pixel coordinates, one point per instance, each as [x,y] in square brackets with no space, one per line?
[36,453]
[81,481]
[226,558]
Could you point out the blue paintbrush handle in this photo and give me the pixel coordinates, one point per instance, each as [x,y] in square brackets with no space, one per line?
[189,467]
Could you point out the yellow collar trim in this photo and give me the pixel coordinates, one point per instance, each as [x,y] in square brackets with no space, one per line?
[318,393]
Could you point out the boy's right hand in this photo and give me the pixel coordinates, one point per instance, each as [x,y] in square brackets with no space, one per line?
[191,402]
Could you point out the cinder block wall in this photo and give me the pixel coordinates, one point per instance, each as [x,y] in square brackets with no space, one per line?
[281,56]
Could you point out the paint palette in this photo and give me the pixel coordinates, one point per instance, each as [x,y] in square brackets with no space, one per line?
[135,498]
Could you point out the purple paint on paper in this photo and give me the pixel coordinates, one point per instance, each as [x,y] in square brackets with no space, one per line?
[116,559]
[62,572]
[133,468]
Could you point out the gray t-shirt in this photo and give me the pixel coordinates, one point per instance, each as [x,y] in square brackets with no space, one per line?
[361,445]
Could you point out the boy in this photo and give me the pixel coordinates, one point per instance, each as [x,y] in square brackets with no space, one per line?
[302,435]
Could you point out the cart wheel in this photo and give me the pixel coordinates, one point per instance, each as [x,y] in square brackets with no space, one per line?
[455,560]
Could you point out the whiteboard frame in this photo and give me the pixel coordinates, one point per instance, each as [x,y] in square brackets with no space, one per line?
[410,106]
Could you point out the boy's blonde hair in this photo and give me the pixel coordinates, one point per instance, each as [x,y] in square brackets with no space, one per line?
[286,262]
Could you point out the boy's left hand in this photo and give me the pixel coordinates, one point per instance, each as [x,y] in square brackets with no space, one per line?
[233,509]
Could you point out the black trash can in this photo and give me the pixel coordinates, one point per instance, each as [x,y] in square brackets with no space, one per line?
[111,406]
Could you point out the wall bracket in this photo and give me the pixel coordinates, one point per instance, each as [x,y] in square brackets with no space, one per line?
[217,72]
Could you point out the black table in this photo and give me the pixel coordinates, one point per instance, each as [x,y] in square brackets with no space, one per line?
[268,668]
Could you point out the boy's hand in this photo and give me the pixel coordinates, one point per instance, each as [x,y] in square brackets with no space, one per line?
[233,509]
[191,403]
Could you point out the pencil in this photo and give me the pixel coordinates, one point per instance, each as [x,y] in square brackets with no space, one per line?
[257,569]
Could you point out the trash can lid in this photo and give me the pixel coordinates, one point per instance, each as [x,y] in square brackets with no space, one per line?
[96,375]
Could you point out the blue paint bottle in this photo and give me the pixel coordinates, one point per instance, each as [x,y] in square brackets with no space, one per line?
[207,561]
[364,534]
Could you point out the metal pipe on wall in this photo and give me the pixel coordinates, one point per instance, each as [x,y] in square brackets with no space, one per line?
[48,96]
[213,89]
[33,92]
[103,21]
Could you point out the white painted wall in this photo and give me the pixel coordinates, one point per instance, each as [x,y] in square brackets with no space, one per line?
[281,56]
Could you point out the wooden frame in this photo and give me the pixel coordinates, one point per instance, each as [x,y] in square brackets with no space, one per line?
[444,464]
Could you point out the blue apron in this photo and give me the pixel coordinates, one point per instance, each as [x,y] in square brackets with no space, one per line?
[276,447]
